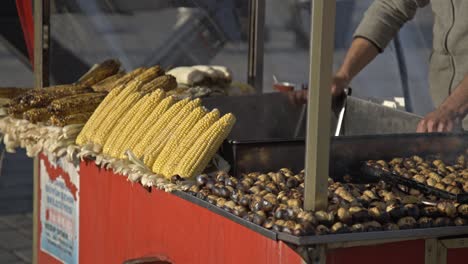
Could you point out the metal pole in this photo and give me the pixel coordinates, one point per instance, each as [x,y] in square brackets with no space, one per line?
[319,104]
[41,79]
[256,43]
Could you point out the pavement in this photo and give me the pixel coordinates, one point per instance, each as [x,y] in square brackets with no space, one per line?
[16,238]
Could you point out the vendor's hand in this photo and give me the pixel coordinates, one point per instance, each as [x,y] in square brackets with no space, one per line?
[438,121]
[339,84]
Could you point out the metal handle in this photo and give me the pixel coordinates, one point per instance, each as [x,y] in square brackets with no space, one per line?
[339,125]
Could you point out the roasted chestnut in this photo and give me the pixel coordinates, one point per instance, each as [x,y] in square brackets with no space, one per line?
[324,218]
[460,221]
[447,208]
[390,227]
[373,226]
[443,221]
[344,215]
[258,219]
[359,214]
[412,210]
[396,211]
[322,230]
[407,222]
[358,228]
[339,228]
[379,215]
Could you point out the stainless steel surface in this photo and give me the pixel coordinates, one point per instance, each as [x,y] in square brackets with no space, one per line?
[340,121]
[346,152]
[398,235]
[256,44]
[341,114]
[319,104]
[260,117]
[367,118]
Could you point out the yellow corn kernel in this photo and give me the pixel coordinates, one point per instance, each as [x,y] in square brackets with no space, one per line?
[159,140]
[83,137]
[142,128]
[113,118]
[176,137]
[188,140]
[206,146]
[136,114]
[158,134]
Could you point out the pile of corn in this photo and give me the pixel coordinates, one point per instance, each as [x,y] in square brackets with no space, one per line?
[129,122]
[146,128]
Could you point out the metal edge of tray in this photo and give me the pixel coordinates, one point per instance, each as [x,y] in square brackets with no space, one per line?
[213,208]
[398,235]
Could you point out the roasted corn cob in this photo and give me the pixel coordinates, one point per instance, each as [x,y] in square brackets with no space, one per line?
[200,154]
[157,127]
[159,140]
[135,136]
[106,125]
[12,92]
[165,82]
[137,114]
[37,115]
[76,103]
[42,97]
[175,139]
[62,121]
[85,133]
[108,109]
[108,83]
[127,78]
[99,72]
[187,140]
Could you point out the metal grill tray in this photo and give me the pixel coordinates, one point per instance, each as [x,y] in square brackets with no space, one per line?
[400,235]
[394,178]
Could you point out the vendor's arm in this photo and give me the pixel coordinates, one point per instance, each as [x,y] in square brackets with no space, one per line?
[454,109]
[380,24]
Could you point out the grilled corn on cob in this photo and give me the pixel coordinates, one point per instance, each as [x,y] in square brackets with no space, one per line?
[159,140]
[165,82]
[12,92]
[158,126]
[200,154]
[135,115]
[100,72]
[37,115]
[140,130]
[175,139]
[62,121]
[85,133]
[108,83]
[106,125]
[76,103]
[187,140]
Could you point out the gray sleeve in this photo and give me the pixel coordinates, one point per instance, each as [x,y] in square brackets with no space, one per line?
[384,18]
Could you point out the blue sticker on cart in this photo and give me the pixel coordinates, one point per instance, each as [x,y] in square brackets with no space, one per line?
[59,208]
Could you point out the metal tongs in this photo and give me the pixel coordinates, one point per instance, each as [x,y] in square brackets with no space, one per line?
[336,103]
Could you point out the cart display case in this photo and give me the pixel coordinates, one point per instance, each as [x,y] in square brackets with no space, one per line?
[87,214]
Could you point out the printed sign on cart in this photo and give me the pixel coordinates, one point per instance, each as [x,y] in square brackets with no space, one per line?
[59,208]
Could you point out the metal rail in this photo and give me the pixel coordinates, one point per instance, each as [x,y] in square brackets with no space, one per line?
[256,44]
[41,79]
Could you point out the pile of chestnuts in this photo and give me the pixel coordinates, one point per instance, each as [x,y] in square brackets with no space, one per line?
[274,200]
[450,177]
